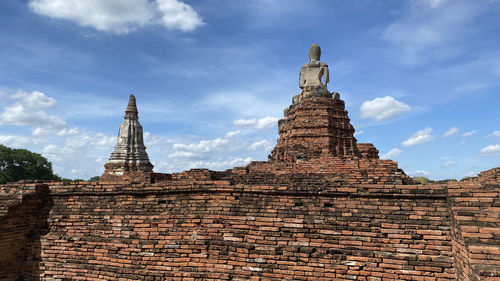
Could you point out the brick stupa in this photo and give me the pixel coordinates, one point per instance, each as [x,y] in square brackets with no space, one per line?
[316,137]
[129,159]
[316,124]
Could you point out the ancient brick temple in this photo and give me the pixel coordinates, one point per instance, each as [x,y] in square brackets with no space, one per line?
[129,158]
[323,207]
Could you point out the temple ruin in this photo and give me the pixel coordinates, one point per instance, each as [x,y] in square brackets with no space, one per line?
[129,156]
[322,207]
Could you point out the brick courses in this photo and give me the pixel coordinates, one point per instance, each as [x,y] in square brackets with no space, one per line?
[24,215]
[313,127]
[316,136]
[475,212]
[198,226]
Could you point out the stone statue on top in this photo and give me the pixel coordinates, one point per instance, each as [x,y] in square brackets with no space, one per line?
[314,76]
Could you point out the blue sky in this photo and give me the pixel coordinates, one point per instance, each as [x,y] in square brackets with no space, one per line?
[421,79]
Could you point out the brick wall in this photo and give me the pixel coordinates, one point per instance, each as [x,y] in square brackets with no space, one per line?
[475,209]
[194,227]
[344,170]
[23,219]
[229,232]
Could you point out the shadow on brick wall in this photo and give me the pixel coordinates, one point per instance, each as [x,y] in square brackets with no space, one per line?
[20,232]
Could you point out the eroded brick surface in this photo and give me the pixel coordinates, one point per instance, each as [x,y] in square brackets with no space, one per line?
[475,209]
[207,229]
[23,220]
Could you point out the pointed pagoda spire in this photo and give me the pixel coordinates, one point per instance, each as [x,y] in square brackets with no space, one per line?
[132,107]
[129,153]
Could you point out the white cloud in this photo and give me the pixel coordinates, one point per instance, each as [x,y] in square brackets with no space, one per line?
[120,16]
[419,137]
[78,152]
[51,148]
[358,133]
[451,131]
[471,133]
[16,141]
[34,99]
[71,148]
[183,154]
[245,122]
[449,163]
[491,150]
[68,132]
[29,110]
[264,144]
[222,164]
[383,108]
[259,124]
[68,148]
[494,134]
[392,153]
[117,16]
[232,133]
[83,145]
[202,146]
[434,3]
[219,153]
[155,140]
[419,173]
[100,139]
[178,15]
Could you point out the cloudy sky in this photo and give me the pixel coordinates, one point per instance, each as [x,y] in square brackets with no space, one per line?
[420,78]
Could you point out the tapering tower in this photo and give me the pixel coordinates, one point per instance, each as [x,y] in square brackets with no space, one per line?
[316,124]
[129,155]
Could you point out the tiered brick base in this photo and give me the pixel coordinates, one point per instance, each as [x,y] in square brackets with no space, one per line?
[135,177]
[316,136]
[342,170]
[314,127]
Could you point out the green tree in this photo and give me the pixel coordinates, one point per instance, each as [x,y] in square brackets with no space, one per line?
[94,179]
[445,180]
[422,180]
[19,164]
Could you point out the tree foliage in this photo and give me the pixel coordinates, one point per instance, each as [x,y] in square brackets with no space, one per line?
[19,164]
[424,180]
[421,180]
[94,179]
